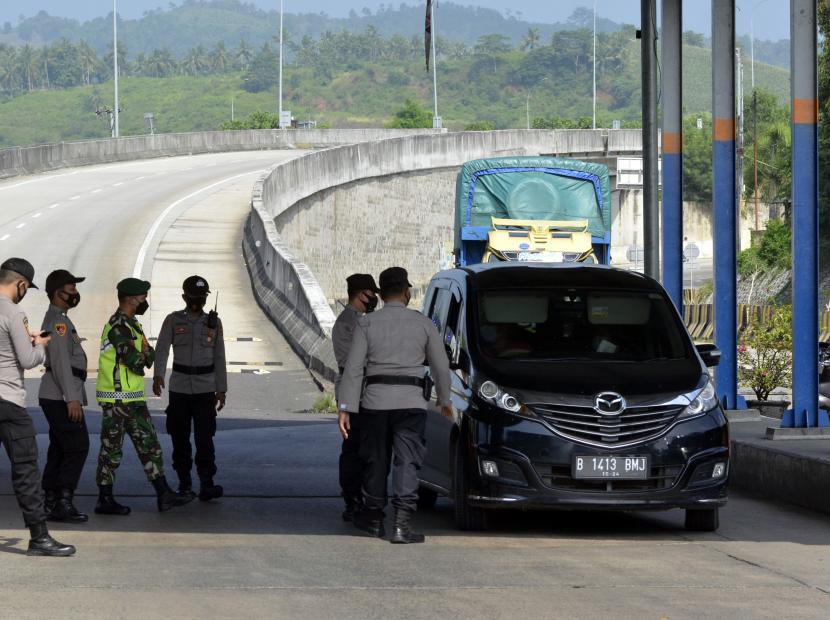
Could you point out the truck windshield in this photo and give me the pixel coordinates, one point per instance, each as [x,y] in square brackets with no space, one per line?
[578,324]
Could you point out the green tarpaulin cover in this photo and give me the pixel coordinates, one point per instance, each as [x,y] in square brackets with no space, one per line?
[533,188]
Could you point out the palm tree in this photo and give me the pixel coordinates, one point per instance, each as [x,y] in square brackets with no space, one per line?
[122,58]
[219,58]
[89,60]
[531,39]
[26,60]
[243,55]
[161,63]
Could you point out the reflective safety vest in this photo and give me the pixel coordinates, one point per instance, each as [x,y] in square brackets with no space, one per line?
[116,382]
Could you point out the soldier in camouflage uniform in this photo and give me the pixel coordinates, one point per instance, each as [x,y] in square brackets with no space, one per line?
[125,353]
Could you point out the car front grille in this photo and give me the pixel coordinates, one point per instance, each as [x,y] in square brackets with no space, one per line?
[585,425]
[559,477]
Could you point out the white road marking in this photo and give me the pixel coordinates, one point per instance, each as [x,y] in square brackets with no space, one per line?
[36,215]
[4,237]
[20,225]
[74,198]
[138,178]
[95,191]
[119,184]
[145,246]
[55,206]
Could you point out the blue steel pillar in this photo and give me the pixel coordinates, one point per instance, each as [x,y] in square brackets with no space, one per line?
[724,198]
[672,93]
[803,69]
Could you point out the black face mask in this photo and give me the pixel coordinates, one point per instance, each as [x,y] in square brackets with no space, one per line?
[21,295]
[195,304]
[371,303]
[142,308]
[71,299]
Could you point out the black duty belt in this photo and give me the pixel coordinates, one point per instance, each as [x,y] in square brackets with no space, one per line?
[193,370]
[395,380]
[76,372]
[340,369]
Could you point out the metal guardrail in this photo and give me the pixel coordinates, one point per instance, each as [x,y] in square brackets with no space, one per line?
[700,320]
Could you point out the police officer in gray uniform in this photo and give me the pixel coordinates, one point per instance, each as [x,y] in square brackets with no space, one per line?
[62,397]
[198,384]
[363,299]
[388,352]
[21,350]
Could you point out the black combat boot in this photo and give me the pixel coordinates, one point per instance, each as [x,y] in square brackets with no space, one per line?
[209,491]
[43,544]
[166,497]
[369,522]
[50,498]
[186,486]
[64,509]
[353,504]
[402,533]
[107,505]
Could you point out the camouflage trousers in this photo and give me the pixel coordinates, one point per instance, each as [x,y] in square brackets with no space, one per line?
[134,420]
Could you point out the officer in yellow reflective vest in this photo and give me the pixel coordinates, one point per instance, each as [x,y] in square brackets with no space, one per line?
[125,353]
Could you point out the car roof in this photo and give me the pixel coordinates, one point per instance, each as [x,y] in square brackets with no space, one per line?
[508,274]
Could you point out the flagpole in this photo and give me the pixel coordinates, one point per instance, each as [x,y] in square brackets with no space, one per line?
[115,127]
[279,121]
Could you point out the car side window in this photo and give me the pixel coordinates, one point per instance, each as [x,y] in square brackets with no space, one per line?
[453,314]
[440,308]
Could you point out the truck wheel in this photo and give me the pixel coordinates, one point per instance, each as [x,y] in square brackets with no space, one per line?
[706,520]
[426,498]
[470,518]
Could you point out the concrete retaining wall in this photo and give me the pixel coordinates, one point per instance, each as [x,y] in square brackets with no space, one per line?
[33,159]
[291,293]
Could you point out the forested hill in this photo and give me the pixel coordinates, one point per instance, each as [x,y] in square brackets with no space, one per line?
[182,27]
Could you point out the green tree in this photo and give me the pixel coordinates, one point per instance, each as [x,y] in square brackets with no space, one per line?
[531,40]
[765,354]
[412,115]
[824,121]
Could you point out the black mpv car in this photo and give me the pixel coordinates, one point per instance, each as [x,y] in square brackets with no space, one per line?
[575,387]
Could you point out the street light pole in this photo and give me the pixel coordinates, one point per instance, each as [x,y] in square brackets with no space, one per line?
[436,120]
[115,127]
[594,122]
[279,121]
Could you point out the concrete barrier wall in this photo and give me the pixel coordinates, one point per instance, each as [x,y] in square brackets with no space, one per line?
[33,159]
[285,286]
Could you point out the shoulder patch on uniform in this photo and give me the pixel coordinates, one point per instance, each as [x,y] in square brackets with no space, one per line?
[60,328]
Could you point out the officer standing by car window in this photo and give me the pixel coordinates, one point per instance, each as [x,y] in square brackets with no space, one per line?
[363,299]
[21,350]
[62,397]
[125,353]
[198,385]
[388,351]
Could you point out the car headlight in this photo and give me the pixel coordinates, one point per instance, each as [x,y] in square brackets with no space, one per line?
[705,401]
[494,395]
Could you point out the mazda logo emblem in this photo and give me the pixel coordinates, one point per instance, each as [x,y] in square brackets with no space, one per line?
[609,403]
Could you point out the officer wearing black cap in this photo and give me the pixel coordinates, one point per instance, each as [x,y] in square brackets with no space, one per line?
[125,354]
[387,355]
[21,350]
[363,299]
[62,397]
[198,385]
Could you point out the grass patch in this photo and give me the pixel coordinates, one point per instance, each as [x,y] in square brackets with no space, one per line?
[325,403]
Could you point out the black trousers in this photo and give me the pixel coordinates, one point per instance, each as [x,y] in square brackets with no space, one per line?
[68,447]
[399,432]
[196,411]
[17,434]
[351,462]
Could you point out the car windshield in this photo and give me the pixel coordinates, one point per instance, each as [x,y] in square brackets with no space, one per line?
[578,324]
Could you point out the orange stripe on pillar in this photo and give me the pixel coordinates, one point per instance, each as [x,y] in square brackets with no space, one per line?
[724,129]
[672,143]
[805,111]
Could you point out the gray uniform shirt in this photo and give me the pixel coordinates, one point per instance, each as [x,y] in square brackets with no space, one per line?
[63,353]
[393,341]
[194,344]
[17,353]
[341,338]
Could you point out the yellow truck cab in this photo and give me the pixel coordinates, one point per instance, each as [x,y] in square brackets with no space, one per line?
[539,241]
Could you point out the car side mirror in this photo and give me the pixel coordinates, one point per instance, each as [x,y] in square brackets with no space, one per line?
[709,353]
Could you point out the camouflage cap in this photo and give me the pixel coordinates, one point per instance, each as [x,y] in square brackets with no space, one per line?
[133,286]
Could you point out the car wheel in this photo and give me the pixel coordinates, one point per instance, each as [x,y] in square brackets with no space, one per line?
[426,498]
[467,517]
[706,520]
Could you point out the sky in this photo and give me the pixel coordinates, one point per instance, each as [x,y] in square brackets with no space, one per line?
[771,17]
